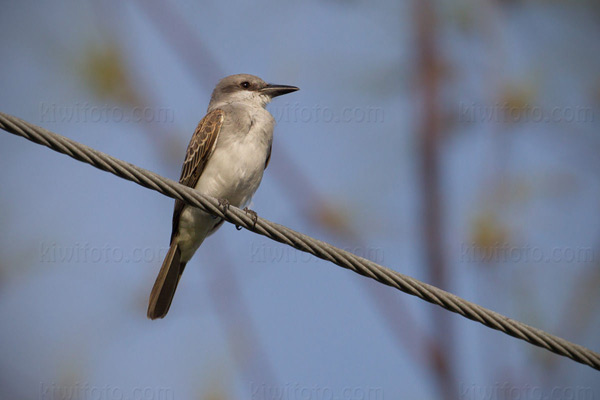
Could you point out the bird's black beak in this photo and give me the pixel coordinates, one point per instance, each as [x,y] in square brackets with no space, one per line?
[277,90]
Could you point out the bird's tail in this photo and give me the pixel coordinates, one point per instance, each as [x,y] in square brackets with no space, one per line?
[166,283]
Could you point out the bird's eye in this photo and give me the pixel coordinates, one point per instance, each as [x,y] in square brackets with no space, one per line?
[245,84]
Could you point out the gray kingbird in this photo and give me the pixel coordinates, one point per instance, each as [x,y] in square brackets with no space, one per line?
[225,159]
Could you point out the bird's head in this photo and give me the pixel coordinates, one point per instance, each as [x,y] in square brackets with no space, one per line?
[247,89]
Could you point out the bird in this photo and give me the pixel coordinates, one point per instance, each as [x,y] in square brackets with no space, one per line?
[225,159]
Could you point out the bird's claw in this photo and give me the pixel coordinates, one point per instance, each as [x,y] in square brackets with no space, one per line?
[253,215]
[224,204]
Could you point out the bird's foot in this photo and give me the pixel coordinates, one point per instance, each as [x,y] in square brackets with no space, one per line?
[253,215]
[224,204]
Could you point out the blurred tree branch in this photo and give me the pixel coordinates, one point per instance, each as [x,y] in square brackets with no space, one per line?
[429,68]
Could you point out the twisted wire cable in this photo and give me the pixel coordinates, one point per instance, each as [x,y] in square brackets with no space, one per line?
[301,242]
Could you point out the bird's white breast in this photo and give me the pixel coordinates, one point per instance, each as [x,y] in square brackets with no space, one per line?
[235,169]
[233,172]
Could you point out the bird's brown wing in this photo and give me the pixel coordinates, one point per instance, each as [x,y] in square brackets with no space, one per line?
[268,157]
[198,152]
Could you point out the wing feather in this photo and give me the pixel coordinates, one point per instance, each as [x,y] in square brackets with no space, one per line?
[199,150]
[268,157]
